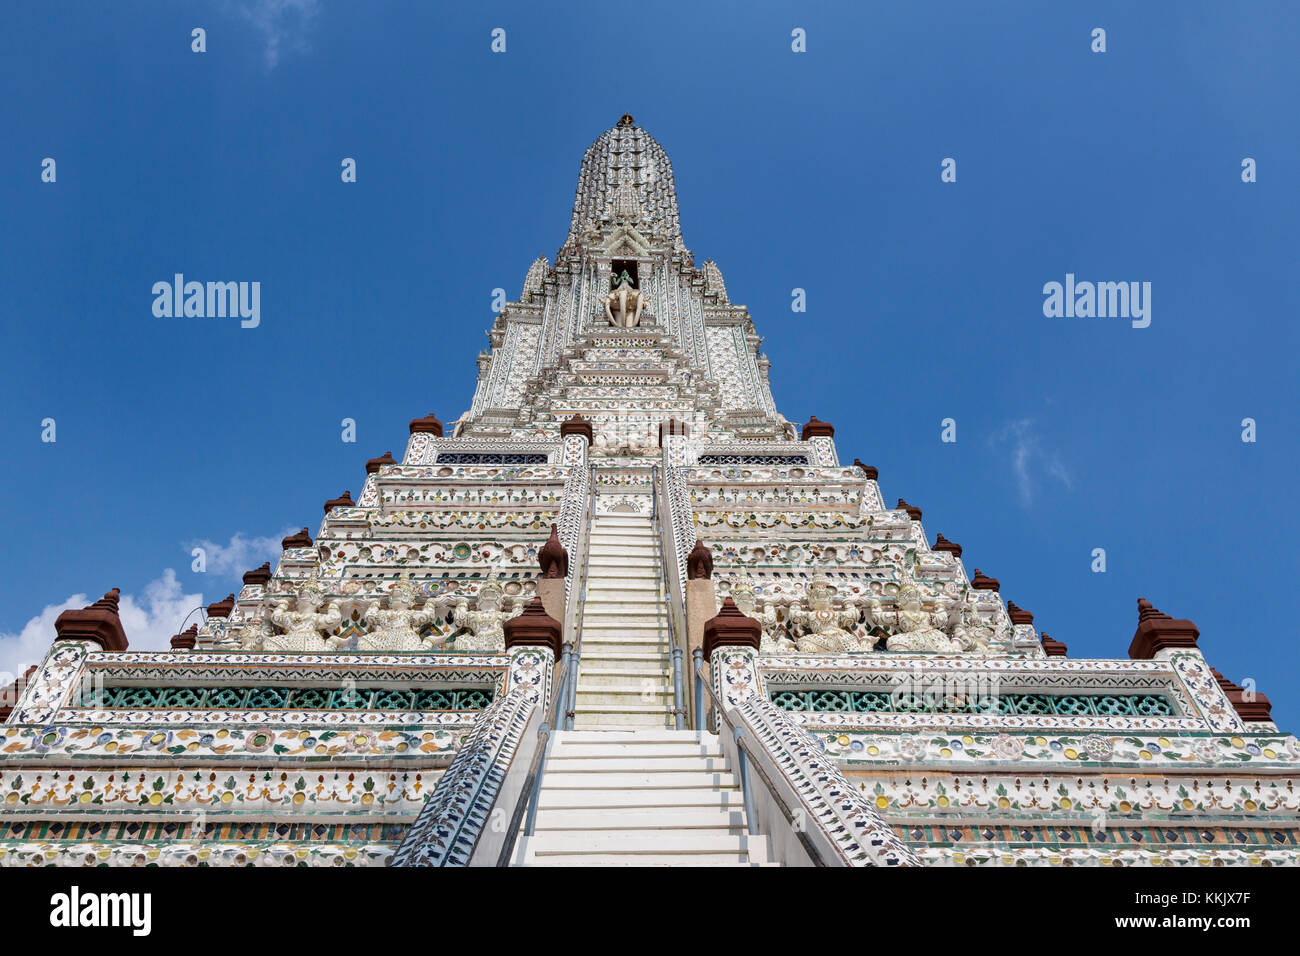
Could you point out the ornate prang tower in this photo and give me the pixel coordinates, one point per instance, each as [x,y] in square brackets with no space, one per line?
[621,508]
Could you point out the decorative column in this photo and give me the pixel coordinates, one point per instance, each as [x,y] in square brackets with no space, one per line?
[96,623]
[730,646]
[821,435]
[1159,636]
[701,596]
[576,435]
[95,627]
[1162,638]
[534,642]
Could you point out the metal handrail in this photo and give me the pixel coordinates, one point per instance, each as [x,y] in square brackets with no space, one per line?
[679,702]
[532,782]
[745,758]
[580,598]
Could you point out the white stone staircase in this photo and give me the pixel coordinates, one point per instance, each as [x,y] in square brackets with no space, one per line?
[639,797]
[625,674]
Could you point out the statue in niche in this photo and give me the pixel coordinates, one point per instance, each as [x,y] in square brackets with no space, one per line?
[486,622]
[624,303]
[397,628]
[303,624]
[914,629]
[614,443]
[773,641]
[826,630]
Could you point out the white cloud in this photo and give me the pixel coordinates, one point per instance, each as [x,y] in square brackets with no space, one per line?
[282,24]
[149,622]
[1031,463]
[240,555]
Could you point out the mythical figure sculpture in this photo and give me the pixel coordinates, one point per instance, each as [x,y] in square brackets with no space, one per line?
[773,641]
[303,625]
[624,303]
[486,622]
[397,628]
[251,637]
[915,629]
[970,632]
[826,630]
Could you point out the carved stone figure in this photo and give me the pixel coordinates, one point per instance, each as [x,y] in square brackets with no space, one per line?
[486,622]
[773,641]
[624,303]
[699,562]
[303,624]
[397,628]
[970,632]
[915,629]
[251,637]
[826,630]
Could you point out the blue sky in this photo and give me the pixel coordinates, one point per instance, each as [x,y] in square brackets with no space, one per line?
[817,170]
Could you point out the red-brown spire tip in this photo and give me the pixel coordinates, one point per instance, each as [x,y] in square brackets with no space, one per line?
[577,425]
[260,575]
[1018,615]
[97,622]
[943,544]
[534,628]
[342,501]
[816,428]
[871,471]
[374,464]
[983,583]
[1258,708]
[1052,647]
[1147,611]
[301,539]
[730,628]
[185,640]
[913,511]
[1157,631]
[428,425]
[109,600]
[223,607]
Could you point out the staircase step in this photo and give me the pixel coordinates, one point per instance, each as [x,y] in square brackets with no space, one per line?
[620,585]
[643,611]
[628,624]
[702,779]
[662,843]
[622,579]
[604,722]
[622,704]
[651,693]
[599,650]
[636,764]
[658,650]
[633,639]
[650,753]
[602,563]
[640,818]
[641,859]
[624,676]
[622,521]
[639,737]
[646,801]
